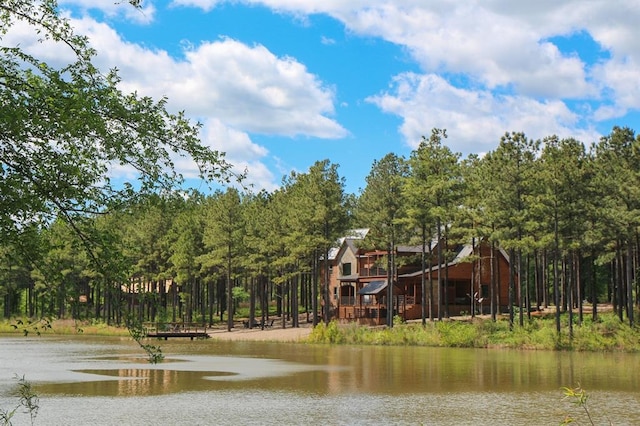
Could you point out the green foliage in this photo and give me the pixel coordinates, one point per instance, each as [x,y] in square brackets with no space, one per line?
[78,123]
[609,333]
[240,294]
[28,400]
[458,335]
[37,327]
[434,182]
[63,129]
[327,333]
[578,397]
[138,333]
[536,334]
[68,232]
[381,205]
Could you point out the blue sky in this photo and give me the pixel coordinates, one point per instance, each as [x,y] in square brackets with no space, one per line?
[280,84]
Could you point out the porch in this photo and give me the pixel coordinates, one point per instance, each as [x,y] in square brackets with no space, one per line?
[368,305]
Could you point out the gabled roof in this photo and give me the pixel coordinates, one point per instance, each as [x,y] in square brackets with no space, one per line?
[357,234]
[464,252]
[352,236]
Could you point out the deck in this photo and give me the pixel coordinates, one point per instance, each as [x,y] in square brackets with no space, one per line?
[176,330]
[190,334]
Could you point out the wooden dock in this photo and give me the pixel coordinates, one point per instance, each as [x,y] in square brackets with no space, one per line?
[176,330]
[190,334]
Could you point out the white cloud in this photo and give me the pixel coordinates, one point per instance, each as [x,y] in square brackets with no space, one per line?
[622,79]
[22,35]
[327,41]
[114,8]
[232,88]
[245,155]
[475,120]
[496,50]
[260,92]
[499,71]
[205,5]
[501,44]
[246,87]
[226,84]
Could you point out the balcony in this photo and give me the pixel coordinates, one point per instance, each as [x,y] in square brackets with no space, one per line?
[373,272]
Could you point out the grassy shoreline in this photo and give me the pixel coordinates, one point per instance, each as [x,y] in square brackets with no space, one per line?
[608,334]
[60,327]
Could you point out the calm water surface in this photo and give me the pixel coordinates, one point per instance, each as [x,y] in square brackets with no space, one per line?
[106,381]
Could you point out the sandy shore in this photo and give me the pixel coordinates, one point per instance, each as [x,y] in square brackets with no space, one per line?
[274,334]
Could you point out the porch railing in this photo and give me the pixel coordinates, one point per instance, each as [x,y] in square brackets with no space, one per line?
[373,272]
[347,300]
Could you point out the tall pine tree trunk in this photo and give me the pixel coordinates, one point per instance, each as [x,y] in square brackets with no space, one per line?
[629,280]
[423,283]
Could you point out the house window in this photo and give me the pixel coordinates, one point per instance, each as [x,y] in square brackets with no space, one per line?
[346,268]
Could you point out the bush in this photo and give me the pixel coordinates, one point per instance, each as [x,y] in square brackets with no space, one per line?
[458,334]
[606,334]
[323,333]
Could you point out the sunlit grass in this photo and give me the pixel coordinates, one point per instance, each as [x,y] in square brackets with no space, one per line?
[606,334]
[62,327]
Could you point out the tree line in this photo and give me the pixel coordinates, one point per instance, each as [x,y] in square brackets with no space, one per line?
[566,214]
[183,256]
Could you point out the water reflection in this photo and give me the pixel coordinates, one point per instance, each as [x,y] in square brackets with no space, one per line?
[410,370]
[129,382]
[251,382]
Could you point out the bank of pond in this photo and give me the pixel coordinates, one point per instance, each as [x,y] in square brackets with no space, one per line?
[608,333]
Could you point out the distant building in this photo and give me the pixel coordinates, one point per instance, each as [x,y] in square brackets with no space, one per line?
[358,280]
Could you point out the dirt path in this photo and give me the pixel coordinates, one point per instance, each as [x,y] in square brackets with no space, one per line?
[273,334]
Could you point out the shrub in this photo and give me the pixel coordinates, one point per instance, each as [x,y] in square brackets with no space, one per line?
[323,333]
[458,335]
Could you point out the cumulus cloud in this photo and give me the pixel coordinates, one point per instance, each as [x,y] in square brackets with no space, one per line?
[224,83]
[501,44]
[261,92]
[495,49]
[621,78]
[229,86]
[475,120]
[246,156]
[247,87]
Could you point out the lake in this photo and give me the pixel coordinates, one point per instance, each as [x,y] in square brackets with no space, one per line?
[107,381]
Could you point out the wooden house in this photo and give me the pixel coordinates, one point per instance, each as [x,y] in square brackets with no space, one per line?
[358,281]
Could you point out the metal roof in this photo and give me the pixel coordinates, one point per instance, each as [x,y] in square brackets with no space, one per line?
[374,287]
[352,235]
[464,252]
